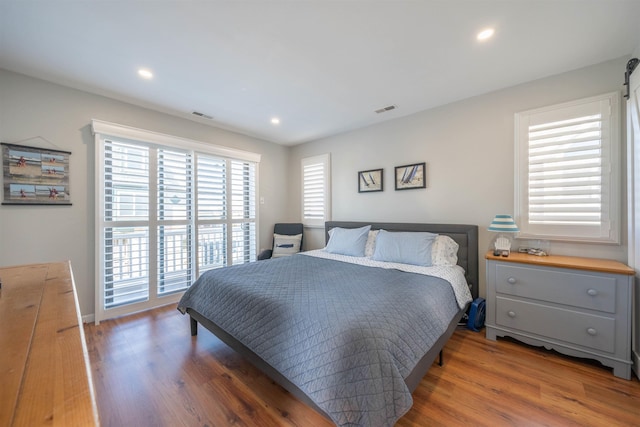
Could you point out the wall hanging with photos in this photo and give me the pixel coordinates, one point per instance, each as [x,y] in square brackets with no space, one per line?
[34,176]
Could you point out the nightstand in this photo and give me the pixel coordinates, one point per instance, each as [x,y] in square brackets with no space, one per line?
[577,306]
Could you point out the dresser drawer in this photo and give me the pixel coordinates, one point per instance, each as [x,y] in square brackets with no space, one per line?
[587,330]
[569,287]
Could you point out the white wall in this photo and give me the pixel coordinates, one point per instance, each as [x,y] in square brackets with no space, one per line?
[468,147]
[469,150]
[33,234]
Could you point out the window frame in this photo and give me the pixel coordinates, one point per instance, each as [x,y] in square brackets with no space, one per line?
[608,232]
[109,131]
[325,161]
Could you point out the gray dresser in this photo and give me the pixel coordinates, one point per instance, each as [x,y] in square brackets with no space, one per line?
[577,306]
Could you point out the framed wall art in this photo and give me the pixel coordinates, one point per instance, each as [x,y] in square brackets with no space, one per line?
[370,181]
[409,177]
[34,176]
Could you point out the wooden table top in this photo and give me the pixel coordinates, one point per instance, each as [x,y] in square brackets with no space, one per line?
[44,361]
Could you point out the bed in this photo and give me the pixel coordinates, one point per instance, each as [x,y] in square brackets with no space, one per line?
[350,336]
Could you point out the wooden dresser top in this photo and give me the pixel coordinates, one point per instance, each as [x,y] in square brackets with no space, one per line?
[44,361]
[580,263]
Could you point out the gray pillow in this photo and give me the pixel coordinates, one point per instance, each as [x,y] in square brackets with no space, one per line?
[405,247]
[348,241]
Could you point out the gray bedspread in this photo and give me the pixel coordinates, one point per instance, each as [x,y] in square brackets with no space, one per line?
[347,335]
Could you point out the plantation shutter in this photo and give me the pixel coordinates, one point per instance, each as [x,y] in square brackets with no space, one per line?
[167,209]
[243,212]
[226,203]
[567,179]
[315,190]
[212,212]
[174,211]
[126,227]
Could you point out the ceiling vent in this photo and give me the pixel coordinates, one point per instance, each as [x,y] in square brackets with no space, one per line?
[204,116]
[385,109]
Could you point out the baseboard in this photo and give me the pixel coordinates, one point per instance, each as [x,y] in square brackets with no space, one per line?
[636,363]
[89,318]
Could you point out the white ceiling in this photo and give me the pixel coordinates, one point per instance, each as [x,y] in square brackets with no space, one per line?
[321,66]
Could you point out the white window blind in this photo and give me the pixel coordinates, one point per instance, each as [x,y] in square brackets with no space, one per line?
[126,227]
[212,212]
[212,195]
[175,263]
[243,211]
[315,190]
[154,235]
[567,171]
[226,212]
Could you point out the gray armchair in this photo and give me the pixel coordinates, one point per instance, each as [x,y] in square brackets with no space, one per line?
[286,229]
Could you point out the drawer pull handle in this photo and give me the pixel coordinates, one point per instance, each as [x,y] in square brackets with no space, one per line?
[592,332]
[512,280]
[592,292]
[511,313]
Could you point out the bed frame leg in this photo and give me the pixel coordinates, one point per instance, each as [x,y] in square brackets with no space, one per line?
[194,327]
[439,361]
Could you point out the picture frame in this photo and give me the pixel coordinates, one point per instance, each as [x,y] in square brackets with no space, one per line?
[34,176]
[411,177]
[370,181]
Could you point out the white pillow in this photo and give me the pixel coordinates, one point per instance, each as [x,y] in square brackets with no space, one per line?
[405,247]
[370,246]
[284,245]
[348,241]
[444,251]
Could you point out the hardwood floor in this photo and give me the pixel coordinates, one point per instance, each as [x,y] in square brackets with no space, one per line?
[149,371]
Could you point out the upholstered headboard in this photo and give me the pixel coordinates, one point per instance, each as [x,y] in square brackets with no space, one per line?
[465,235]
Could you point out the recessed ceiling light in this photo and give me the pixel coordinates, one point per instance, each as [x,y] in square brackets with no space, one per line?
[145,74]
[275,121]
[485,34]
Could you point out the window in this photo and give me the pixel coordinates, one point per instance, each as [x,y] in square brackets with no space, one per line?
[316,200]
[568,171]
[167,210]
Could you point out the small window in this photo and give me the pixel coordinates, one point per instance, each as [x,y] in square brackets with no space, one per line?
[316,198]
[568,171]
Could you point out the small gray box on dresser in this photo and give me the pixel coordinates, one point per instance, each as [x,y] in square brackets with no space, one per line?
[577,306]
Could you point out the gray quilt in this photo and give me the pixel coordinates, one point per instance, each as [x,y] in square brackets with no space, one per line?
[345,334]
